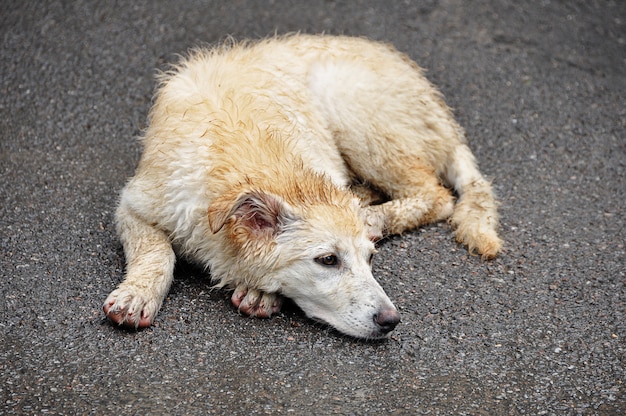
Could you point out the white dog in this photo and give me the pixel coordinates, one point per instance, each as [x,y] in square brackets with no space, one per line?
[262,162]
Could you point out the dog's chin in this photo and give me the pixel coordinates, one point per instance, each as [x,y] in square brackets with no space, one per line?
[365,335]
[374,336]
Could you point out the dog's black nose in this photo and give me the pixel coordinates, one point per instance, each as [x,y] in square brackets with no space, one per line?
[387,319]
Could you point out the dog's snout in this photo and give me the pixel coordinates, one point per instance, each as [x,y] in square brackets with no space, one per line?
[387,320]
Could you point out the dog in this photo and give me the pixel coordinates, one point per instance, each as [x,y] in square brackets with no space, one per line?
[277,164]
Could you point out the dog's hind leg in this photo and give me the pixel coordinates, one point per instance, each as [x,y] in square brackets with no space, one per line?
[418,198]
[475,215]
[150,270]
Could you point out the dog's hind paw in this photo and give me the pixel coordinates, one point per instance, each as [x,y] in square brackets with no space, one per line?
[255,303]
[129,308]
[374,219]
[487,246]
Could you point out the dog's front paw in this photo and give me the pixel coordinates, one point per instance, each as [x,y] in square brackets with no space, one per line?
[255,303]
[129,307]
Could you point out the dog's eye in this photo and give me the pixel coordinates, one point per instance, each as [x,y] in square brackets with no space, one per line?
[328,260]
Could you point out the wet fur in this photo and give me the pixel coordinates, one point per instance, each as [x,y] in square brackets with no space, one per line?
[248,163]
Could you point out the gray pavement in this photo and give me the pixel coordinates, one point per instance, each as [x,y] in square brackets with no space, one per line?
[541,89]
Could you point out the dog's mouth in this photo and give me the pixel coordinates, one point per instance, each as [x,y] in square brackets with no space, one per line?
[379,327]
[371,336]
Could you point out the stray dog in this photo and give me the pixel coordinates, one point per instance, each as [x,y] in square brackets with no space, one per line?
[266,162]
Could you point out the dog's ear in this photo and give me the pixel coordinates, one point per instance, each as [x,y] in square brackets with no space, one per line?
[260,213]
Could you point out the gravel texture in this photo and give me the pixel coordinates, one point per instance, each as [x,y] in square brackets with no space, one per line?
[540,87]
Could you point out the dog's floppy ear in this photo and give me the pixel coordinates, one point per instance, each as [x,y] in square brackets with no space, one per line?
[259,212]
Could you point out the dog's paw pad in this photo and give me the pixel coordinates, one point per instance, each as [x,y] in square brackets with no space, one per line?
[130,309]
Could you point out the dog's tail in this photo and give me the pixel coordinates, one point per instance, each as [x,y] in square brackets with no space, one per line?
[475,215]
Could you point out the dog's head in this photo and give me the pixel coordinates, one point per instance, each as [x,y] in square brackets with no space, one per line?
[318,254]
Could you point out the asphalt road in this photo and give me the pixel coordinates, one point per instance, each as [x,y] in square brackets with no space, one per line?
[540,88]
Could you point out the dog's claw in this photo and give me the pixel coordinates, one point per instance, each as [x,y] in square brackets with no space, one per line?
[129,309]
[255,303]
